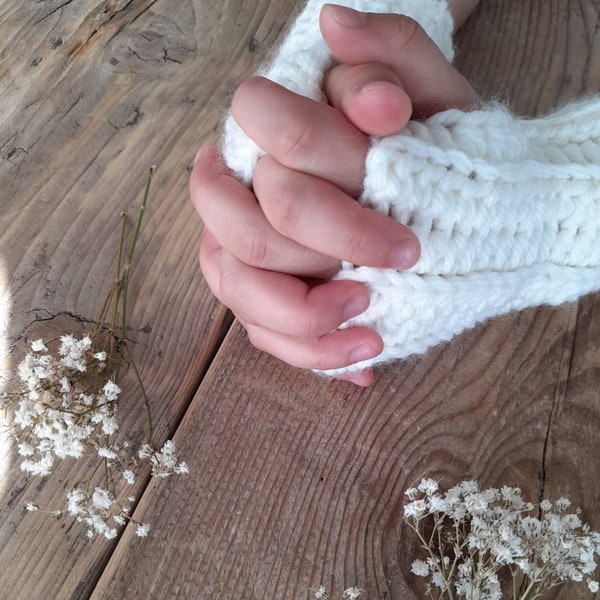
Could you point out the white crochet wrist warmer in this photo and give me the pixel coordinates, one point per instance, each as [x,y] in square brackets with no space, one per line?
[303,57]
[507,210]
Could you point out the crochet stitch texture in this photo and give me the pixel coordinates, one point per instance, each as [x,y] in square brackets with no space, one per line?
[507,209]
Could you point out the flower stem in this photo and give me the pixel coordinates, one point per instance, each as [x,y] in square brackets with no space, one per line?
[145,396]
[124,280]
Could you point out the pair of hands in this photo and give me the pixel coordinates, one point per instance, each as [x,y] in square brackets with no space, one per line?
[267,253]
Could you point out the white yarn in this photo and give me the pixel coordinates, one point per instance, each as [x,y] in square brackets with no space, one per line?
[303,57]
[507,210]
[484,190]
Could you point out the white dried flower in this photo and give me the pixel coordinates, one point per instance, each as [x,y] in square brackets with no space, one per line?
[38,346]
[86,399]
[428,486]
[142,529]
[415,509]
[562,504]
[120,519]
[66,407]
[111,390]
[65,385]
[108,532]
[96,511]
[181,469]
[436,504]
[321,593]
[485,530]
[107,453]
[109,425]
[352,593]
[26,449]
[42,467]
[75,499]
[164,462]
[102,499]
[420,568]
[65,411]
[73,352]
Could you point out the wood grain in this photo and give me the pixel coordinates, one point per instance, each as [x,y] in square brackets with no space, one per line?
[296,481]
[300,481]
[97,92]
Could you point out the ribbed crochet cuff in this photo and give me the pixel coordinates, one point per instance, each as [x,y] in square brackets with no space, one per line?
[507,211]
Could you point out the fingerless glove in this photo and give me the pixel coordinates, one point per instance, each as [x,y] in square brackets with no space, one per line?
[507,209]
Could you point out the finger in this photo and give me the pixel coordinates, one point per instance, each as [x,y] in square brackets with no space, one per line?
[230,211]
[210,261]
[371,96]
[333,350]
[302,134]
[277,301]
[362,378]
[314,212]
[401,43]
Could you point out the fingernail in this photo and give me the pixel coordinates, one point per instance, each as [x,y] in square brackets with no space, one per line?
[348,17]
[379,86]
[364,352]
[355,306]
[405,255]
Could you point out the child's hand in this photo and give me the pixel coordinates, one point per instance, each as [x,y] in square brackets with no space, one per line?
[306,219]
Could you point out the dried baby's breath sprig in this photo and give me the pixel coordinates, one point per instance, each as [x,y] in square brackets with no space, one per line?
[66,406]
[164,462]
[471,536]
[351,593]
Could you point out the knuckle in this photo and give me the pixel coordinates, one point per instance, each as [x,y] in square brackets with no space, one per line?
[286,213]
[335,82]
[279,194]
[287,216]
[357,244]
[410,34]
[297,140]
[254,250]
[305,327]
[228,289]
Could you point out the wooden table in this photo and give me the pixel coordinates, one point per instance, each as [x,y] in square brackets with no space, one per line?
[295,481]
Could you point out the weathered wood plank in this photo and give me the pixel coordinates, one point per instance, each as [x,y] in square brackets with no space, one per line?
[93,93]
[298,481]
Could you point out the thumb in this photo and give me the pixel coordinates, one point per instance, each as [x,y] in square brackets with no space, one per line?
[399,42]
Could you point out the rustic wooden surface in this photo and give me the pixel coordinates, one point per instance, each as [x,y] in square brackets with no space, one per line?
[296,481]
